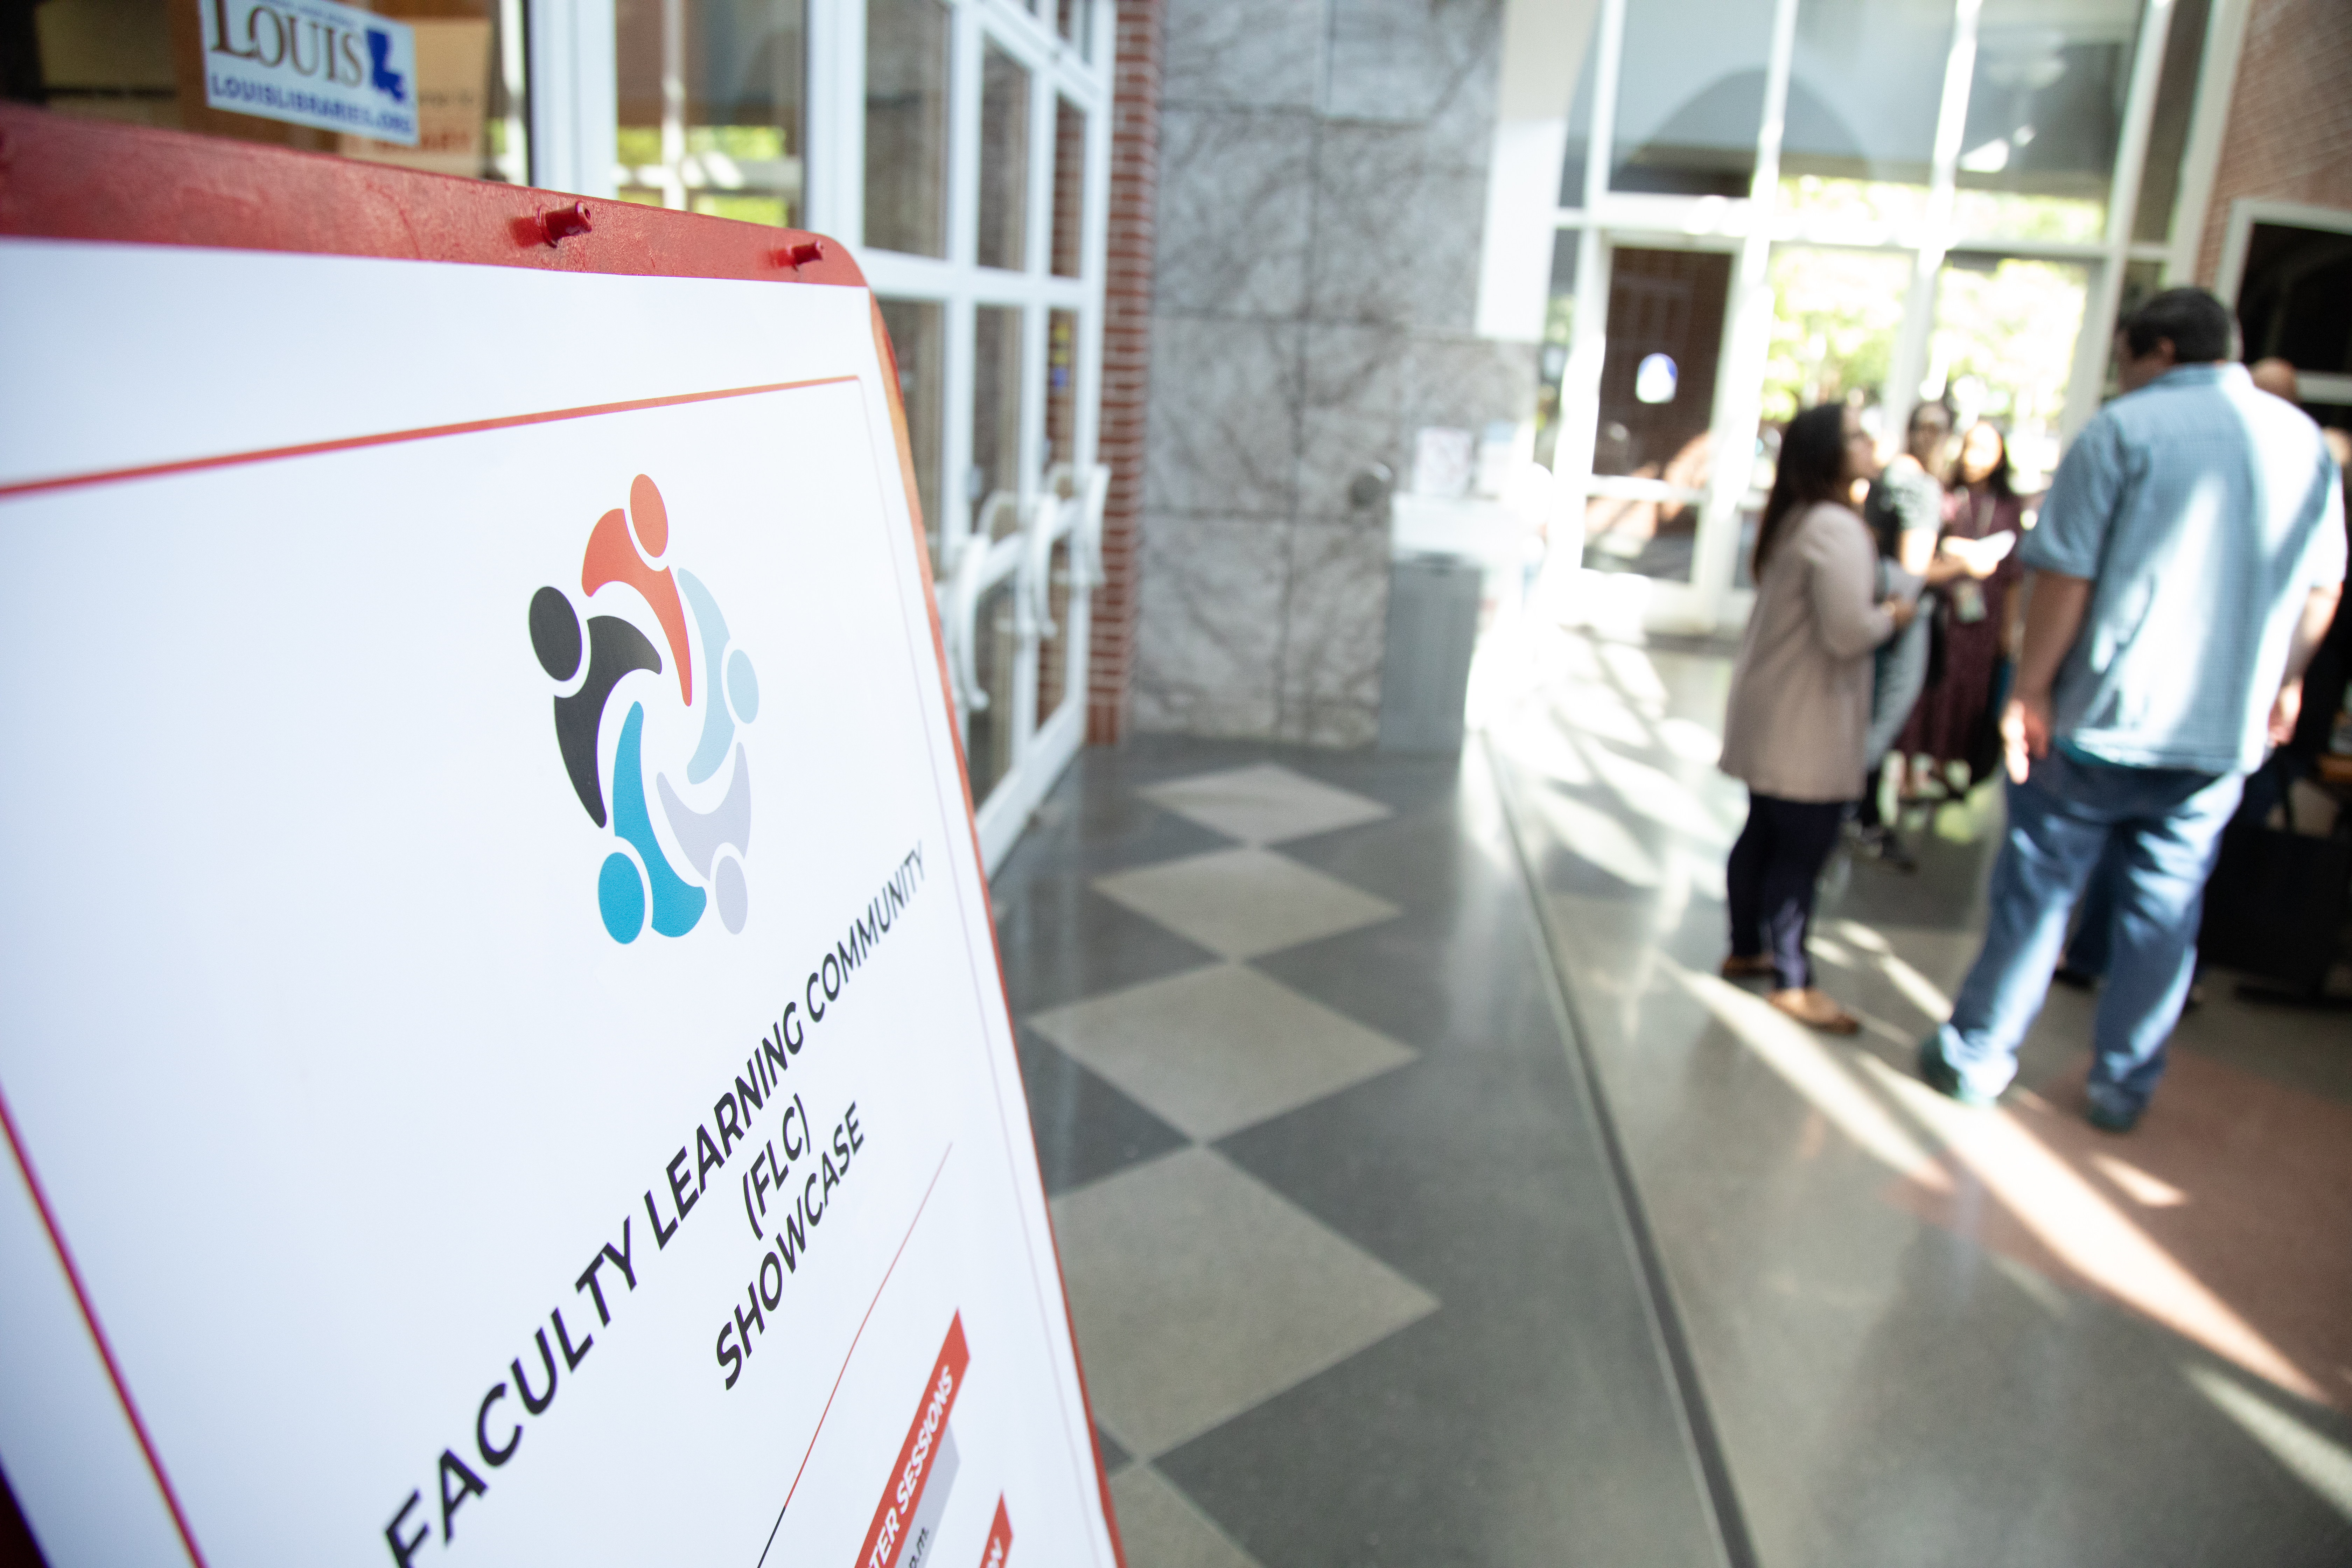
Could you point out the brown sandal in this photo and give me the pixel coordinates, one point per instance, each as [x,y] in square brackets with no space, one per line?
[1814,1006]
[1749,968]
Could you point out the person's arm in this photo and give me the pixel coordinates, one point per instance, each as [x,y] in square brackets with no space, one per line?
[2319,614]
[2325,575]
[2054,610]
[1843,579]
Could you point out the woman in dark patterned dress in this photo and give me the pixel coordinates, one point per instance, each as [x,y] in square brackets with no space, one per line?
[1983,524]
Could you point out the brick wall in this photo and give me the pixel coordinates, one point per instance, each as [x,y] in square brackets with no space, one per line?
[1126,362]
[2290,132]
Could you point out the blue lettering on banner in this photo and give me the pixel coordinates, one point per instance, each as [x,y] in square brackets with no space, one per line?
[311,62]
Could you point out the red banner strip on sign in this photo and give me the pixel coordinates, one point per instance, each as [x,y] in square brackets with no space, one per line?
[904,1490]
[1000,1538]
[393,438]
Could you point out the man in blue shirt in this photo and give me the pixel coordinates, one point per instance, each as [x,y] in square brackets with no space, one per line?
[2188,561]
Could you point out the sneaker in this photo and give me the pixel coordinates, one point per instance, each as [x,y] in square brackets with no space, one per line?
[2109,1116]
[2072,978]
[1748,966]
[1944,1078]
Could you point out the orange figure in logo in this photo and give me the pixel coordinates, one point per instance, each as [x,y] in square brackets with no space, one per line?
[613,557]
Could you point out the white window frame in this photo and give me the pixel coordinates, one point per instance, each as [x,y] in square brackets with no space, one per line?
[1049,506]
[1515,282]
[574,115]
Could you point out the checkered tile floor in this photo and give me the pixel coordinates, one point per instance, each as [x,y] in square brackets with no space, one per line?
[1232,983]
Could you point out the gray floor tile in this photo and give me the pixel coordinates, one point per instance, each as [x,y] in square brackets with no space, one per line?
[1061,941]
[1159,1528]
[1218,1049]
[1200,1293]
[1263,802]
[1086,1129]
[1243,903]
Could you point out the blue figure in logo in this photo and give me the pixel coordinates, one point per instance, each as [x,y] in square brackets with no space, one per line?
[678,903]
[614,650]
[381,76]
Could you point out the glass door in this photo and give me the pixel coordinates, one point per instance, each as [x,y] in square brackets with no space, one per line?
[1652,393]
[1651,450]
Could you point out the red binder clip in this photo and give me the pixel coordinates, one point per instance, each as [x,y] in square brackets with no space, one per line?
[800,253]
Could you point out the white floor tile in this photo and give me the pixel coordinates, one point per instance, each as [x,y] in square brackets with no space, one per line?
[1264,804]
[1199,1292]
[1244,902]
[1216,1049]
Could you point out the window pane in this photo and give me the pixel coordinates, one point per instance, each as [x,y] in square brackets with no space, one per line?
[1054,646]
[710,95]
[995,414]
[988,734]
[1580,117]
[2168,134]
[1835,317]
[2046,110]
[1551,358]
[1061,388]
[2004,349]
[1864,82]
[917,334]
[907,126]
[122,62]
[1690,97]
[1004,161]
[1069,187]
[1071,18]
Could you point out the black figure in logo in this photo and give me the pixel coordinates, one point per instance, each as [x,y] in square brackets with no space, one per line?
[615,649]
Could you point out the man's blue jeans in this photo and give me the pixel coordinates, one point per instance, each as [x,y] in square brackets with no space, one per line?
[2165,827]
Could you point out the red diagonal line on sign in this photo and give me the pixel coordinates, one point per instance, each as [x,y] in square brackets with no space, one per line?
[97,1334]
[393,438]
[853,1350]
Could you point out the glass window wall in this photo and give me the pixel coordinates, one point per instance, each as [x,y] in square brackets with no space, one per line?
[1690,97]
[142,62]
[1938,226]
[907,126]
[1003,159]
[996,419]
[1069,188]
[1866,79]
[2003,349]
[2045,115]
[710,97]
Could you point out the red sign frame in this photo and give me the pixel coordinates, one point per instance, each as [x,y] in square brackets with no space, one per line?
[72,179]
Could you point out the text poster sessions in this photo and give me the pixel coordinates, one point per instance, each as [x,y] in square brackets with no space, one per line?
[503,1053]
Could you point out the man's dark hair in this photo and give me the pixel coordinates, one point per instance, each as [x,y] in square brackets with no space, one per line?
[2198,324]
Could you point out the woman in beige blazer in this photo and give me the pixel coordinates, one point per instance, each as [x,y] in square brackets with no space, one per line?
[1800,703]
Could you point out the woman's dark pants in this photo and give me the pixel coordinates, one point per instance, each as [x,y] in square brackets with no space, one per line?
[1769,880]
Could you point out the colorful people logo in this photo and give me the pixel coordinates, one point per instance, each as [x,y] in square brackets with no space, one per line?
[621,550]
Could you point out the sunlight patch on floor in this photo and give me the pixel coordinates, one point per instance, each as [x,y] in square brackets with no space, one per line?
[2085,1231]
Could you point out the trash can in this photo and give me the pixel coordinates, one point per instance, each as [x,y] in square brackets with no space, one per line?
[1432,631]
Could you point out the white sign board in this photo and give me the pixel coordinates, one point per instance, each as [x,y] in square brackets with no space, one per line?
[501,1043]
